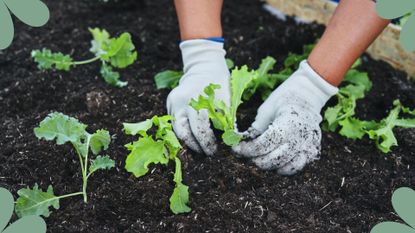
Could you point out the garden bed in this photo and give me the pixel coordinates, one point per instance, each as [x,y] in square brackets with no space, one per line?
[347,190]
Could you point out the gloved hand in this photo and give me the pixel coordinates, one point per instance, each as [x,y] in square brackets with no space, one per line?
[204,63]
[286,134]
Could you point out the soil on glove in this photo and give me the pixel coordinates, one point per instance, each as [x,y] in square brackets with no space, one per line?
[347,190]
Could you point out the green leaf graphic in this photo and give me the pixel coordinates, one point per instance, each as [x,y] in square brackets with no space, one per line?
[391,9]
[6,25]
[26,224]
[403,201]
[31,12]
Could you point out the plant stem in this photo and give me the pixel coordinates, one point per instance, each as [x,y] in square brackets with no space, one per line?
[69,195]
[85,61]
[85,169]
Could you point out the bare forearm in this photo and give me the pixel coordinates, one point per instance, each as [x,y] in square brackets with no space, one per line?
[353,27]
[199,18]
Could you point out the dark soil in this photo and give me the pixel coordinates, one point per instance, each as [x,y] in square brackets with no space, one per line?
[347,190]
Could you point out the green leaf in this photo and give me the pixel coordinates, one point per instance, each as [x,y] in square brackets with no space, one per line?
[180,197]
[46,60]
[120,51]
[144,152]
[240,79]
[218,112]
[331,116]
[140,128]
[168,79]
[111,77]
[229,63]
[60,127]
[231,138]
[265,81]
[100,140]
[35,202]
[101,163]
[100,40]
[358,78]
[354,128]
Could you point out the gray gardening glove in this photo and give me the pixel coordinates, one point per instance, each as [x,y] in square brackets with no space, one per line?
[204,63]
[286,134]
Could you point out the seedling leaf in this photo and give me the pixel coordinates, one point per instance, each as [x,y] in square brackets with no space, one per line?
[100,140]
[168,79]
[60,127]
[111,77]
[101,163]
[47,60]
[180,196]
[144,152]
[36,202]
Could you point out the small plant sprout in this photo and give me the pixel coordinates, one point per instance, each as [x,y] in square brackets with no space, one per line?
[64,129]
[342,115]
[113,53]
[222,116]
[160,148]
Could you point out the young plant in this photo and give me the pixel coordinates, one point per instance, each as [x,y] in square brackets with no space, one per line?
[169,79]
[222,116]
[160,148]
[64,129]
[267,81]
[342,115]
[116,52]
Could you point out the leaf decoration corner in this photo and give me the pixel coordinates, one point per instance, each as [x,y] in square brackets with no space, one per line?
[403,202]
[32,224]
[392,9]
[34,13]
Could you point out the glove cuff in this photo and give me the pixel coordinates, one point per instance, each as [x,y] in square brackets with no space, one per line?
[314,89]
[202,56]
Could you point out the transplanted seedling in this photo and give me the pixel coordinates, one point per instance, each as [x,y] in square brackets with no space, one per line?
[64,129]
[342,115]
[222,116]
[160,148]
[116,52]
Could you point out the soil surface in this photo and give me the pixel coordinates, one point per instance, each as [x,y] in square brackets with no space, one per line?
[347,190]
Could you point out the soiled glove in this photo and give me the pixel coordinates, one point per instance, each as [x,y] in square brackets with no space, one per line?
[204,63]
[286,134]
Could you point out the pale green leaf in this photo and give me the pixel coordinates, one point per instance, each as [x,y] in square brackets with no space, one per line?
[60,127]
[101,163]
[35,202]
[100,140]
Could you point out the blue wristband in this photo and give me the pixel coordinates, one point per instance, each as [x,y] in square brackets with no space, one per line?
[216,39]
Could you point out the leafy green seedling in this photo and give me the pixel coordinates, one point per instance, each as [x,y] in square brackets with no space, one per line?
[159,148]
[267,81]
[222,116]
[403,202]
[169,79]
[64,129]
[342,115]
[383,134]
[33,224]
[116,52]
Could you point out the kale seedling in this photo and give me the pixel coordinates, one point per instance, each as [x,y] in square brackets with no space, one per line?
[111,52]
[64,129]
[158,149]
[222,116]
[169,79]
